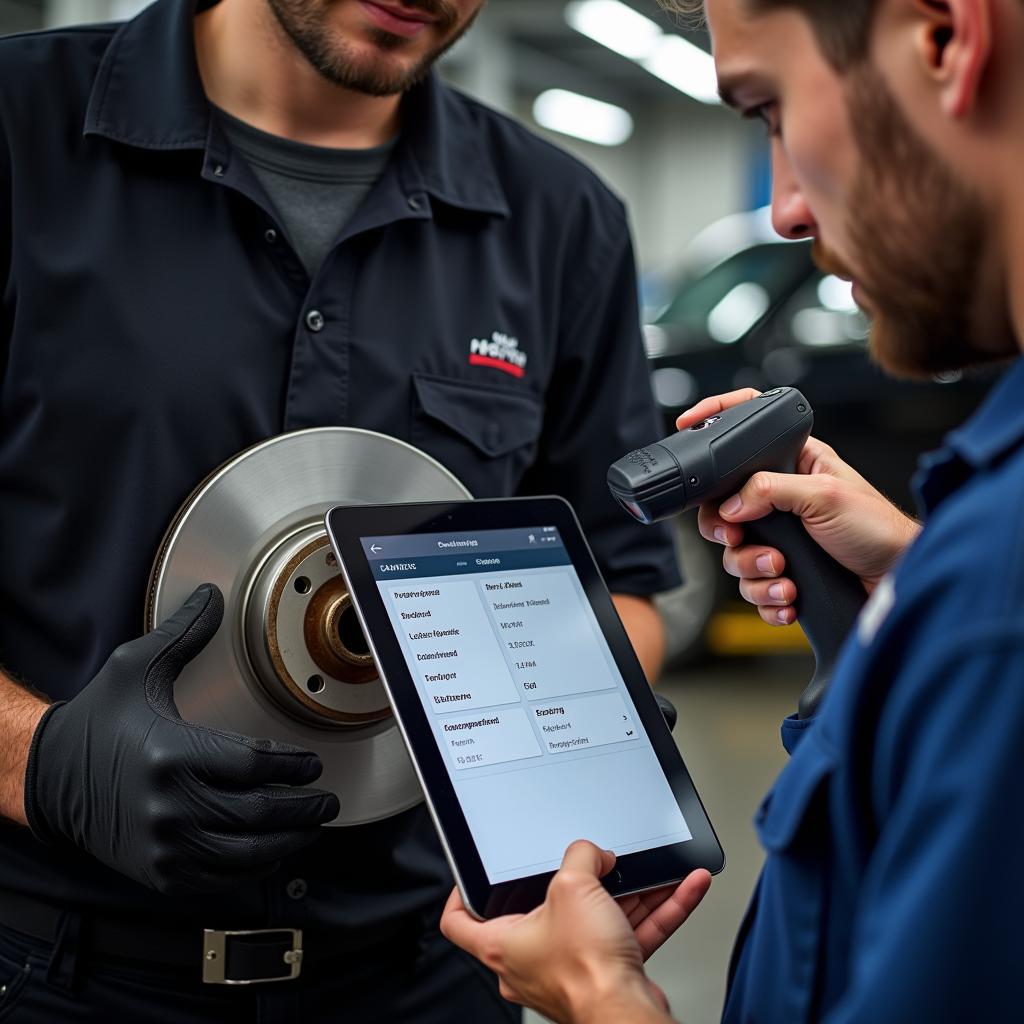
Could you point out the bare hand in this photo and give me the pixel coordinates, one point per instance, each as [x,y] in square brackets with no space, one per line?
[856,524]
[580,955]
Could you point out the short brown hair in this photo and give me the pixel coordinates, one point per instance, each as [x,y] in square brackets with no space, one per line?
[843,29]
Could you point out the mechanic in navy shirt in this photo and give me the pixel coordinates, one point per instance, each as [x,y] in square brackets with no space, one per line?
[216,228]
[891,890]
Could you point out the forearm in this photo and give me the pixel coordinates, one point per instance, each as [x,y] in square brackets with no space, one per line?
[646,631]
[20,712]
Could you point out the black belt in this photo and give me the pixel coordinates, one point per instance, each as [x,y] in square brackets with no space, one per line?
[229,957]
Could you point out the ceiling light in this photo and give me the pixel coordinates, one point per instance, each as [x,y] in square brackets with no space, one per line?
[674,388]
[669,57]
[616,26]
[582,117]
[686,67]
[738,312]
[836,294]
[656,341]
[820,328]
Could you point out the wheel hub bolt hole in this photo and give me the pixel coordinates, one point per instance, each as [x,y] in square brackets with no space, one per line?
[303,584]
[315,684]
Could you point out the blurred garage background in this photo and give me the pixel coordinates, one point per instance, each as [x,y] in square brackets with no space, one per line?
[726,304]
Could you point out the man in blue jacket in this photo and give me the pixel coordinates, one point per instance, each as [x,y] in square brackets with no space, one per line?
[894,836]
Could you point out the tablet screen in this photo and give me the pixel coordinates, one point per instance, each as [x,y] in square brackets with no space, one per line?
[534,722]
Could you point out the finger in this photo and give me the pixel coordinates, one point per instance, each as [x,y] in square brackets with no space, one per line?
[715,529]
[176,641]
[510,994]
[453,905]
[768,594]
[458,925]
[240,762]
[753,562]
[777,616]
[818,457]
[642,903]
[658,995]
[713,406]
[481,939]
[628,904]
[765,492]
[586,858]
[664,919]
[267,809]
[199,616]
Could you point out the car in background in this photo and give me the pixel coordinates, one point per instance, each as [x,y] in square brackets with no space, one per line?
[752,310]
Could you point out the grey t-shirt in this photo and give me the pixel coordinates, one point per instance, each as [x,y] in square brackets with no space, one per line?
[315,189]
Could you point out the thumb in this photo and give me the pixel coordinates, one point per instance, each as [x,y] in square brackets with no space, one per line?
[586,858]
[178,639]
[767,492]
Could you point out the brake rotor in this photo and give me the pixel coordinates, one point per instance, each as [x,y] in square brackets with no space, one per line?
[289,661]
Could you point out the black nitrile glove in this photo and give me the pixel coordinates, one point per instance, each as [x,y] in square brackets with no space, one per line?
[178,807]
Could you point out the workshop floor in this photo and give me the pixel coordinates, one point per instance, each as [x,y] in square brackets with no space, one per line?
[729,714]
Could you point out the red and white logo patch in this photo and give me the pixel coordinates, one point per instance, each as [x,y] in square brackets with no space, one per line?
[500,352]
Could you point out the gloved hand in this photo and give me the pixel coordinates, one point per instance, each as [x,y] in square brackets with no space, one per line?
[181,808]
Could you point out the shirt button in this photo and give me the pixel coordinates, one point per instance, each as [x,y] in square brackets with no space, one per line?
[415,203]
[297,888]
[218,171]
[270,235]
[315,320]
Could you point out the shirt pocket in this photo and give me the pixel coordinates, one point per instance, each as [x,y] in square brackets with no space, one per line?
[487,437]
[793,824]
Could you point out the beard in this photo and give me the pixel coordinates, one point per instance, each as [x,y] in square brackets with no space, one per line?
[307,24]
[919,237]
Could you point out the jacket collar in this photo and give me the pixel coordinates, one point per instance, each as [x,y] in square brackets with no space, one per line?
[148,94]
[991,434]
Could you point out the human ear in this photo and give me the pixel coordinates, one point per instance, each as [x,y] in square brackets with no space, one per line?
[953,40]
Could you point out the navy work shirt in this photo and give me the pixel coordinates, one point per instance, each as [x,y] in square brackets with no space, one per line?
[892,889]
[155,321]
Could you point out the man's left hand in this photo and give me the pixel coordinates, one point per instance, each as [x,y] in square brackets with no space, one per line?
[579,956]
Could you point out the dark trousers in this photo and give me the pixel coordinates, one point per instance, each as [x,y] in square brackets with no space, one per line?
[426,981]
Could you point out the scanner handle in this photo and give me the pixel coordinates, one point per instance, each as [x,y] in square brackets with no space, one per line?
[829,596]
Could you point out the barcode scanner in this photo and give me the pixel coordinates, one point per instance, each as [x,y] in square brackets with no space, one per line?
[711,461]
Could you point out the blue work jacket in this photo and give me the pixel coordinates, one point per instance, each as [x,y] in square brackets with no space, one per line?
[893,889]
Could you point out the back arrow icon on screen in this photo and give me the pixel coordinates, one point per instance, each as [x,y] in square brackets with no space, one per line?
[374,548]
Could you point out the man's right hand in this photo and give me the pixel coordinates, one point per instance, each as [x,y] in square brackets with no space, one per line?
[180,808]
[852,521]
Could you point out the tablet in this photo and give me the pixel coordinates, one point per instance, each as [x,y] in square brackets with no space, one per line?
[526,713]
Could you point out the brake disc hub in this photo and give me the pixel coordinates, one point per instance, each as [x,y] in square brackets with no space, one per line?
[303,639]
[290,661]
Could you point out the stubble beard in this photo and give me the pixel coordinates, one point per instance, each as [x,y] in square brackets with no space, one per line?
[919,237]
[306,25]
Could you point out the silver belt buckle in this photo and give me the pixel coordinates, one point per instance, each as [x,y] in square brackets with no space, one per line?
[215,960]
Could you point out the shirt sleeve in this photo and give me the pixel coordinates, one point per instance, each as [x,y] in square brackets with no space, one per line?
[938,928]
[600,406]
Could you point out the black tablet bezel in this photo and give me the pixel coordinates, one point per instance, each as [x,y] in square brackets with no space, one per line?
[633,872]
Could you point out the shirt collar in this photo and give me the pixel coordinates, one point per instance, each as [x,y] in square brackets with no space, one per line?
[148,93]
[995,430]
